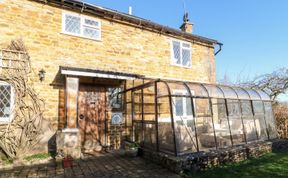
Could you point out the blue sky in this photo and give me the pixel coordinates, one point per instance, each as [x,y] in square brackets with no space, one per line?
[254,32]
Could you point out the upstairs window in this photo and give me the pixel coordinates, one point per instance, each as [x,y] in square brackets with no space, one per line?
[181,53]
[78,25]
[5,101]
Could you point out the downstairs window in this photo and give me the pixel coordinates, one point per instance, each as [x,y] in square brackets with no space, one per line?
[6,102]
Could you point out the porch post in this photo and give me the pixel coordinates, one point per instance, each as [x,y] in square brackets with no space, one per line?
[72,87]
[68,140]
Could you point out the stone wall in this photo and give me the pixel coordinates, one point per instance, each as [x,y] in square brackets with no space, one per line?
[205,160]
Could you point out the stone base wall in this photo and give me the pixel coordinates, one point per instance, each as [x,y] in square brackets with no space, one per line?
[69,143]
[204,160]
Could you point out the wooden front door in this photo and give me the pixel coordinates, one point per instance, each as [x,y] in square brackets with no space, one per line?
[91,116]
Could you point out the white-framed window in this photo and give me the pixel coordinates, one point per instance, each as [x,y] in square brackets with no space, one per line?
[182,105]
[6,101]
[182,108]
[80,25]
[181,54]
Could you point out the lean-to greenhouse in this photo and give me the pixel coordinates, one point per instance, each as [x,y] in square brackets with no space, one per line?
[183,117]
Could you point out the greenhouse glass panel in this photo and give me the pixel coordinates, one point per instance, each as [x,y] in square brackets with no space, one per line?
[242,94]
[263,95]
[137,101]
[149,103]
[162,89]
[149,140]
[248,121]
[260,120]
[235,120]
[204,125]
[253,94]
[221,124]
[178,89]
[128,121]
[165,132]
[214,91]
[228,92]
[197,90]
[271,125]
[138,134]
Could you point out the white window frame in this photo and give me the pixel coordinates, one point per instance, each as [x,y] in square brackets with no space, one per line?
[4,120]
[181,47]
[185,117]
[1,59]
[82,25]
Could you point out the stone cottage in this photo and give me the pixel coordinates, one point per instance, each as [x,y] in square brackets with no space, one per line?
[93,67]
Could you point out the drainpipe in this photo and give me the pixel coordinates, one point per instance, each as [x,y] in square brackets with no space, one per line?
[220,48]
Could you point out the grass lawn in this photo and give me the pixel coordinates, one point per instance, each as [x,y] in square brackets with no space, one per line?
[270,165]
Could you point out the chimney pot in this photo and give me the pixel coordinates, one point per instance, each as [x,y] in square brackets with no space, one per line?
[130,10]
[187,26]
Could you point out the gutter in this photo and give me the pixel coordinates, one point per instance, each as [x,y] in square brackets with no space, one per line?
[220,48]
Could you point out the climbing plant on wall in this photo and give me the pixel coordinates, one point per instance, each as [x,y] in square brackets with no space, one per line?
[21,133]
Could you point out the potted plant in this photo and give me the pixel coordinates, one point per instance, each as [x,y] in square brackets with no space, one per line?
[67,161]
[132,150]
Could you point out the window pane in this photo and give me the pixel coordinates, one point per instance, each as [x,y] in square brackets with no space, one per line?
[149,136]
[242,94]
[115,98]
[235,121]
[165,134]
[186,57]
[261,127]
[138,133]
[250,127]
[258,107]
[206,138]
[185,135]
[271,125]
[186,45]
[233,108]
[178,106]
[137,105]
[91,22]
[188,107]
[253,94]
[248,121]
[91,33]
[149,104]
[72,24]
[5,100]
[260,119]
[228,92]
[202,107]
[214,91]
[176,52]
[246,108]
[221,123]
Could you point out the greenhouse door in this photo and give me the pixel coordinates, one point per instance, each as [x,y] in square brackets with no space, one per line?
[92,116]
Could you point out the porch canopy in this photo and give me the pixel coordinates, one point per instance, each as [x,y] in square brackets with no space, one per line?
[184,117]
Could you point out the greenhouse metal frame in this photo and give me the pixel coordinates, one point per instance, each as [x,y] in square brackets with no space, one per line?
[185,117]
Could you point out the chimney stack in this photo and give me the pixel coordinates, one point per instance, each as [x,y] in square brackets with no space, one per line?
[187,26]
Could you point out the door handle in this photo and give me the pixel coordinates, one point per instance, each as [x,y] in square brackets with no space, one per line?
[81,116]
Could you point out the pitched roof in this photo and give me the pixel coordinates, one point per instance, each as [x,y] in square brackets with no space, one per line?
[123,17]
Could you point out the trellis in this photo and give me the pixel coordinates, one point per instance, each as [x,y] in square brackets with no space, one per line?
[21,133]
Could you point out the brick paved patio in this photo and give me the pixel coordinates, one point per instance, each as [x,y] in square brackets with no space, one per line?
[107,165]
